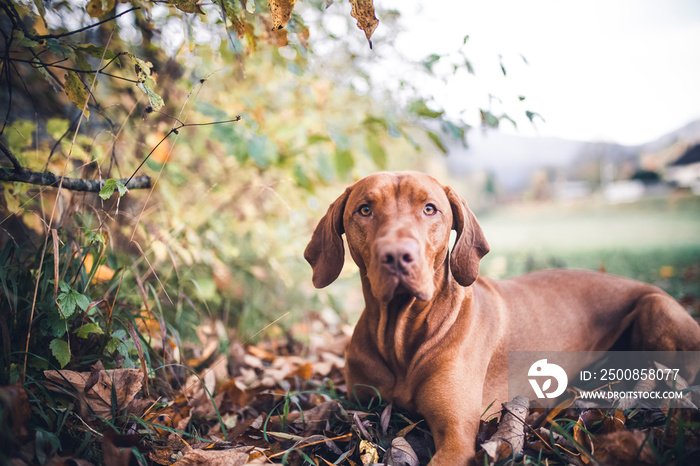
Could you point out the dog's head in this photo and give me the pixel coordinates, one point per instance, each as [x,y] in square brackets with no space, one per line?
[398,230]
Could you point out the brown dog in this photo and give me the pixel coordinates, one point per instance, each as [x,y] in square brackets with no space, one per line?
[434,337]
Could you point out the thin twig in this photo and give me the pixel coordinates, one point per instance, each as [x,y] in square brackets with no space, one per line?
[70,33]
[175,130]
[40,64]
[11,156]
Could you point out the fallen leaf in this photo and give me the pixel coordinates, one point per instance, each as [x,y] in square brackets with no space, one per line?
[510,436]
[96,399]
[624,447]
[363,12]
[232,457]
[401,454]
[368,452]
[103,273]
[315,419]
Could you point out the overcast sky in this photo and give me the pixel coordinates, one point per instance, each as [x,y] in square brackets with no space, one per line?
[622,71]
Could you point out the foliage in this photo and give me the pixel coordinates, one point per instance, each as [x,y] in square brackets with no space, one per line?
[243,135]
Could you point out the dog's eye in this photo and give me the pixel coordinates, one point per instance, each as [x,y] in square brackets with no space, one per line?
[429,209]
[365,210]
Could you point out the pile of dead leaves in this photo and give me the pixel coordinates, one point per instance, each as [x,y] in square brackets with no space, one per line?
[281,401]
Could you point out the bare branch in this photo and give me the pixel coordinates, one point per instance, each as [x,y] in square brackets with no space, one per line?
[70,33]
[73,184]
[11,156]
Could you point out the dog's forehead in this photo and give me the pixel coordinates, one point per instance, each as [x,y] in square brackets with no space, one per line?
[395,185]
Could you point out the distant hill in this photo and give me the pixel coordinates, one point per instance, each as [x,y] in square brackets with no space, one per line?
[512,160]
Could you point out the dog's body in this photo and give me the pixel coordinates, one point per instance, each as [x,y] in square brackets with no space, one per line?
[434,338]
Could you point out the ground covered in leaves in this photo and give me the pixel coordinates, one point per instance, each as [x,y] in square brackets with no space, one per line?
[281,401]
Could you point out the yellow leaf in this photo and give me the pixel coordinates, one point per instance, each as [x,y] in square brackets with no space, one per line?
[102,274]
[666,271]
[97,8]
[281,12]
[76,91]
[368,452]
[363,12]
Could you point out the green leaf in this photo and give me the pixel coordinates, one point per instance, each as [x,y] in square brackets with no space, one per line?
[97,52]
[376,151]
[58,48]
[301,178]
[23,41]
[121,188]
[489,119]
[75,90]
[262,150]
[40,8]
[81,62]
[81,300]
[430,61]
[84,331]
[108,189]
[154,99]
[112,345]
[95,236]
[436,139]
[141,67]
[67,304]
[456,132]
[56,127]
[53,325]
[60,350]
[531,116]
[468,65]
[344,162]
[419,107]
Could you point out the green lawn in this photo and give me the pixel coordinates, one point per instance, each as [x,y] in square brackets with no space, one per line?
[657,241]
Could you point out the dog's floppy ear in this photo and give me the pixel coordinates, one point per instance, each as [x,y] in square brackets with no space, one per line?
[470,245]
[325,251]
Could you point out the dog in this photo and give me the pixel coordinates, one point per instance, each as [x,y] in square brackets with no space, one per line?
[434,336]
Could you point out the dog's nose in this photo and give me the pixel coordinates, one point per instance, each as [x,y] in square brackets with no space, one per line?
[399,256]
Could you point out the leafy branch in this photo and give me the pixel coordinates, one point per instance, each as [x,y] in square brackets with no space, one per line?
[20,174]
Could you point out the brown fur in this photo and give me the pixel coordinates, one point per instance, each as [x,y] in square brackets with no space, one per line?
[434,337]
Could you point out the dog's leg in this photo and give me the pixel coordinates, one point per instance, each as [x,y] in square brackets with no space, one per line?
[661,324]
[454,429]
[451,405]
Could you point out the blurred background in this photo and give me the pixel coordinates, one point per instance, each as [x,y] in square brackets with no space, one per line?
[572,129]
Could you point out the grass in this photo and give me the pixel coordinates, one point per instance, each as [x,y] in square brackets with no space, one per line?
[656,241]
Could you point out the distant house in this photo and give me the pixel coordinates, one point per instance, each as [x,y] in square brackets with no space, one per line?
[685,171]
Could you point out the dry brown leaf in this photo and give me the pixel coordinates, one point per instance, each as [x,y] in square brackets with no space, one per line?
[363,12]
[97,8]
[401,454]
[622,448]
[281,12]
[303,371]
[111,454]
[232,457]
[510,436]
[96,398]
[316,418]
